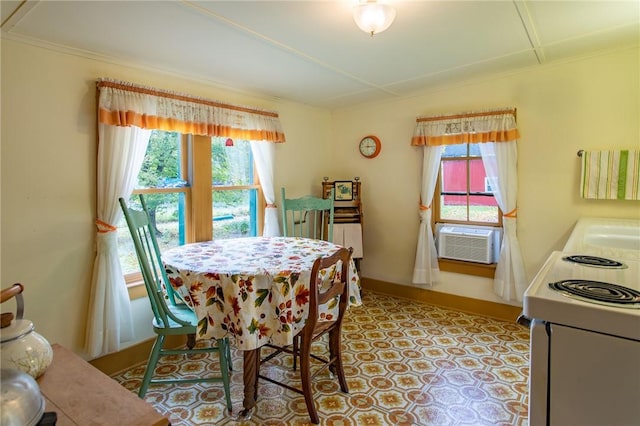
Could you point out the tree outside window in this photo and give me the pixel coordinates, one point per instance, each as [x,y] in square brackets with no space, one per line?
[166,180]
[235,189]
[164,186]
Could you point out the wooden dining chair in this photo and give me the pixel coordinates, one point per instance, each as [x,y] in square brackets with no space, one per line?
[170,319]
[308,217]
[329,285]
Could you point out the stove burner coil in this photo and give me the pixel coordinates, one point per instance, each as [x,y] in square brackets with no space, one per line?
[600,262]
[599,292]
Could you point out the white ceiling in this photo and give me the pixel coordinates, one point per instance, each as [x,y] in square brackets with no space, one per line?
[312,52]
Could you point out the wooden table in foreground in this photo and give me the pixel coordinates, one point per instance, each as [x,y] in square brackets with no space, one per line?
[82,395]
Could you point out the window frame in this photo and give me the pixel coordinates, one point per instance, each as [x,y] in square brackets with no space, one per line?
[261,204]
[437,207]
[133,280]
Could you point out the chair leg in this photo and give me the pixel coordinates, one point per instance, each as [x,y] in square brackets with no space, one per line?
[257,367]
[305,377]
[296,350]
[228,354]
[223,356]
[151,365]
[335,351]
[191,341]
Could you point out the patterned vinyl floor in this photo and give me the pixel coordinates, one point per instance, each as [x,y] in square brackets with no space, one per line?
[407,363]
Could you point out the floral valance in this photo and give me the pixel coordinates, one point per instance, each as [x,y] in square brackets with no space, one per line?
[127,104]
[471,127]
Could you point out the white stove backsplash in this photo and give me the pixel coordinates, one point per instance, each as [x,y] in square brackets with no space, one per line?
[607,237]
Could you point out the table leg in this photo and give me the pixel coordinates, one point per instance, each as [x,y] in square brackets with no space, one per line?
[251,366]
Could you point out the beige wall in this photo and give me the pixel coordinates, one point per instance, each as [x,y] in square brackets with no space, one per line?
[48,151]
[48,156]
[591,103]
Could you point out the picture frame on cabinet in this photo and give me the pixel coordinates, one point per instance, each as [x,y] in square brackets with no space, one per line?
[343,190]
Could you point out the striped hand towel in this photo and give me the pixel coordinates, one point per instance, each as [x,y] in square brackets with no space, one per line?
[610,175]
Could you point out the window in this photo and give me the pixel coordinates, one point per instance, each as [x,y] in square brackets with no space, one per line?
[180,176]
[164,183]
[464,190]
[464,196]
[235,189]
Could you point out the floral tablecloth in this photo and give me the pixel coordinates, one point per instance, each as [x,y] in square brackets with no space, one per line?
[256,289]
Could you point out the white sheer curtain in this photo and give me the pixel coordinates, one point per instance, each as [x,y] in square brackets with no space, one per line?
[127,113]
[500,164]
[426,270]
[264,156]
[497,134]
[120,154]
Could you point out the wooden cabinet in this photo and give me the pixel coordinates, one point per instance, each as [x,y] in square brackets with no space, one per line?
[348,213]
[347,202]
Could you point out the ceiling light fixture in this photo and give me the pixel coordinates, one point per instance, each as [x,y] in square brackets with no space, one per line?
[373,17]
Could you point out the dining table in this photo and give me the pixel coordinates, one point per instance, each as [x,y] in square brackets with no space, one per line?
[253,290]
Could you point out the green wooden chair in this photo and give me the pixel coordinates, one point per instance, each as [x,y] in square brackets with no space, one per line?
[308,217]
[170,319]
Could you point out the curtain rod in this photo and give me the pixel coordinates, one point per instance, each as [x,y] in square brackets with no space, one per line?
[166,94]
[469,115]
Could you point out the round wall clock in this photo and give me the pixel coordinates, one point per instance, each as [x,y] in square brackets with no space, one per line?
[370,146]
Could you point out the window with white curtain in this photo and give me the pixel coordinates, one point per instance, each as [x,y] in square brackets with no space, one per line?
[127,115]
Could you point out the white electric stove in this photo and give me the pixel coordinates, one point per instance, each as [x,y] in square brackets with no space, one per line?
[585,341]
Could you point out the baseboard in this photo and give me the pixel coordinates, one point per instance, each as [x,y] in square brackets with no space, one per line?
[461,303]
[136,354]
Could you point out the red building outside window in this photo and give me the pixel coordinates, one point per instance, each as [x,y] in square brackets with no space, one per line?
[465,190]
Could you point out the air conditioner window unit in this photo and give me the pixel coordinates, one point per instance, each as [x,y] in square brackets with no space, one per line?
[464,243]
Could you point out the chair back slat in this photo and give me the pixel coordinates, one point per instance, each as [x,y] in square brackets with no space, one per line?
[308,217]
[148,253]
[153,252]
[330,285]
